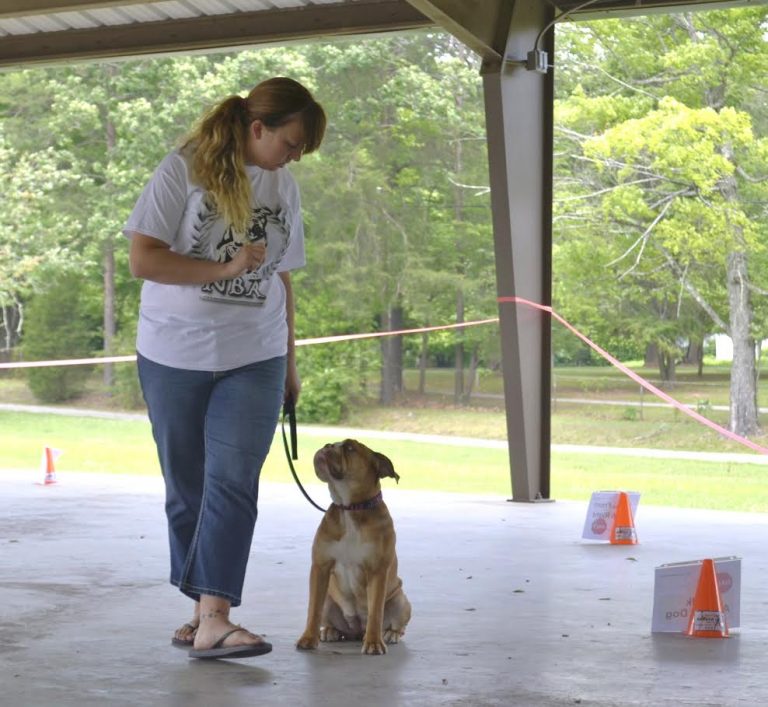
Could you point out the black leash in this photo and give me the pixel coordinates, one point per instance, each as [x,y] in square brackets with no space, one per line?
[289,411]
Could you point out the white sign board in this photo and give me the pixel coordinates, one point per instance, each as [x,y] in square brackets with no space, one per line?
[675,585]
[601,512]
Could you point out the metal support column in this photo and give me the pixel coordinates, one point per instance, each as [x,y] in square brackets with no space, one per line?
[518,106]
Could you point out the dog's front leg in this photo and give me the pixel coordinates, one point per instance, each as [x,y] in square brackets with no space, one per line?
[373,641]
[319,577]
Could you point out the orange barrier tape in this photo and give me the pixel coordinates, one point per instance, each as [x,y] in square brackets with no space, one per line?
[638,379]
[68,362]
[349,337]
[299,342]
[501,300]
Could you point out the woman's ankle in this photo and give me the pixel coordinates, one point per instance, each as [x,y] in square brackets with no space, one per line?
[214,609]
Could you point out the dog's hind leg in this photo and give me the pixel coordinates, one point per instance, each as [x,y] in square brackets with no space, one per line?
[335,626]
[332,626]
[397,614]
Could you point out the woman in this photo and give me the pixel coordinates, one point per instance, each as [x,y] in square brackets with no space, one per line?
[214,235]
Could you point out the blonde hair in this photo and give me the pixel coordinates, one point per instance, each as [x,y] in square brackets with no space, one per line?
[218,141]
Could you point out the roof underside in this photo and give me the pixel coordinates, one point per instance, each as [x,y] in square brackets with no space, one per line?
[34,31]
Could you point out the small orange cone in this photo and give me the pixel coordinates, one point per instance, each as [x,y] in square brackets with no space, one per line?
[49,463]
[707,616]
[623,530]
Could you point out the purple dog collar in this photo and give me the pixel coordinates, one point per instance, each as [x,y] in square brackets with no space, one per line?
[364,506]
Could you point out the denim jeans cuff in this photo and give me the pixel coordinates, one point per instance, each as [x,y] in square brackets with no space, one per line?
[194,592]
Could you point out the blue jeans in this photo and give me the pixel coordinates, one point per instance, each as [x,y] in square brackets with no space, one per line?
[213,431]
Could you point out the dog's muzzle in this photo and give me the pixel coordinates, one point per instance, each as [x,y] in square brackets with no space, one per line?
[326,466]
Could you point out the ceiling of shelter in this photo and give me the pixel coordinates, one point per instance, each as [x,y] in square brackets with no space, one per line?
[54,30]
[34,31]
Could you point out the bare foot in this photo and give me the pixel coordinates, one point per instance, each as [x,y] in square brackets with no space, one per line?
[218,637]
[184,636]
[211,631]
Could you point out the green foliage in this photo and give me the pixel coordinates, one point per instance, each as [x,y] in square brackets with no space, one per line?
[323,397]
[630,414]
[58,327]
[652,195]
[127,389]
[331,378]
[661,144]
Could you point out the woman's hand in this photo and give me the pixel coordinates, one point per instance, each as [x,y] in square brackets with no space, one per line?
[248,257]
[153,259]
[292,382]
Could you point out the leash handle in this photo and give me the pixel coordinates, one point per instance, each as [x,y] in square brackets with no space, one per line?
[289,411]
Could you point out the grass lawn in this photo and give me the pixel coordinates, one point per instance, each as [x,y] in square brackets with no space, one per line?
[126,447]
[602,382]
[598,425]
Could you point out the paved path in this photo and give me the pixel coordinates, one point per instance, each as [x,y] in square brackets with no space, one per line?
[338,432]
[640,403]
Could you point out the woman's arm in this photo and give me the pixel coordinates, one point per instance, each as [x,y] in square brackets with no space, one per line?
[292,380]
[152,259]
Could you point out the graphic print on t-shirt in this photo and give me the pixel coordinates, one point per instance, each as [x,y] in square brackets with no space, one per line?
[213,240]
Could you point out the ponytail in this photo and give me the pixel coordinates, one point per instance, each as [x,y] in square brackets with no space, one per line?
[218,160]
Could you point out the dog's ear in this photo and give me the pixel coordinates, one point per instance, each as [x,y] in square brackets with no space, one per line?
[385,467]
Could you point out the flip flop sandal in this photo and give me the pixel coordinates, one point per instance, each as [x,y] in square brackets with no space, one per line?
[185,643]
[219,650]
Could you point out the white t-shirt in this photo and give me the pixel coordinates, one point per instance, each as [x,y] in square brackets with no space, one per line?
[225,324]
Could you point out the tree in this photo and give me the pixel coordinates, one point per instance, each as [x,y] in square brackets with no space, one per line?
[58,328]
[394,200]
[392,236]
[663,161]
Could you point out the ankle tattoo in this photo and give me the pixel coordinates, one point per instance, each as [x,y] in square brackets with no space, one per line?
[214,614]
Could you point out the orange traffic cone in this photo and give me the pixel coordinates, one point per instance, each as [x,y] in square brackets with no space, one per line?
[623,530]
[707,616]
[49,463]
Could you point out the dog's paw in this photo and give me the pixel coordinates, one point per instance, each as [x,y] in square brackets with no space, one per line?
[373,647]
[392,635]
[307,642]
[329,634]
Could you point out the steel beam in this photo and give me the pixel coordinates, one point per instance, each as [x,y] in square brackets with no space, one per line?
[480,24]
[518,106]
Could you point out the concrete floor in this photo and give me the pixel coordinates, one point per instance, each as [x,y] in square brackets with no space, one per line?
[511,607]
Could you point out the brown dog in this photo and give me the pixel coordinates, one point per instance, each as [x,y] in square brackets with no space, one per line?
[354,590]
